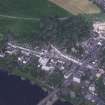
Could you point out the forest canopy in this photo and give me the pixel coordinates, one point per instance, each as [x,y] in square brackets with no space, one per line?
[64,32]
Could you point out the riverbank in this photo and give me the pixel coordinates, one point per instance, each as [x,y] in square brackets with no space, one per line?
[14,91]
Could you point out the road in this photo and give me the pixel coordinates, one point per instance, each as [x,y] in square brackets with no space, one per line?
[38,53]
[25,49]
[66,57]
[85,60]
[91,56]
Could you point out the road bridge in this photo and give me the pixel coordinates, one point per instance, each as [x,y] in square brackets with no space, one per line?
[50,99]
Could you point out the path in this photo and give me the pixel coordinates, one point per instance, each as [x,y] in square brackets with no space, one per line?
[25,49]
[16,17]
[27,18]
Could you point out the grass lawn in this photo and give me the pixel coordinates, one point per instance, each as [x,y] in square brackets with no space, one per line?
[24,75]
[23,29]
[29,8]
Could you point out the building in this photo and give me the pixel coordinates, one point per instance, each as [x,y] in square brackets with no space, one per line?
[76,79]
[99,27]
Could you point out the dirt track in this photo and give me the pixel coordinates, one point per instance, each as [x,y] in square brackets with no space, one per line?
[16,17]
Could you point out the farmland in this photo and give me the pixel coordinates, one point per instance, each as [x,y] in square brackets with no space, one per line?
[77,6]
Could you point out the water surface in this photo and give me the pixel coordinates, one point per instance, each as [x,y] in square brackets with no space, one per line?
[14,91]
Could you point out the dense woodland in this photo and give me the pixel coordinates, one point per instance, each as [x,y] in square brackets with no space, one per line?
[65,34]
[54,30]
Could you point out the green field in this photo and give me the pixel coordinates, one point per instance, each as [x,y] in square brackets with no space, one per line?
[21,28]
[29,8]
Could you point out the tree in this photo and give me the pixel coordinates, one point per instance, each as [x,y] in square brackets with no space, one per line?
[55,79]
[3,40]
[101,88]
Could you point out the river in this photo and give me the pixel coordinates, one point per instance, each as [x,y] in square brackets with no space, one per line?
[14,91]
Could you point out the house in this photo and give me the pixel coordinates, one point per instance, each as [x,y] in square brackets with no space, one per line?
[76,79]
[99,27]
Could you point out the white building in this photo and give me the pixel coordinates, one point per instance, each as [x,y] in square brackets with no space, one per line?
[76,79]
[43,62]
[23,60]
[92,89]
[2,55]
[99,27]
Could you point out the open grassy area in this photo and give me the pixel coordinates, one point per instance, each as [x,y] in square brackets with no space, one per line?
[77,6]
[29,8]
[20,28]
[23,28]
